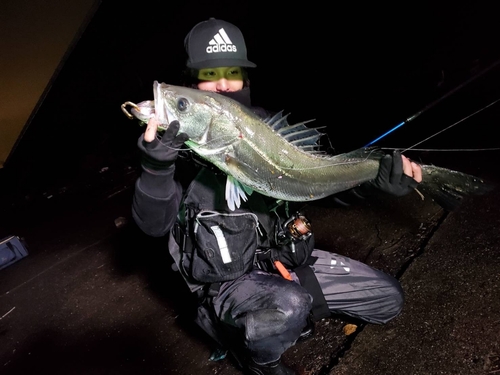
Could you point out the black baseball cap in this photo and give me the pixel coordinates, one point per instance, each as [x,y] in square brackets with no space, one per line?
[215,43]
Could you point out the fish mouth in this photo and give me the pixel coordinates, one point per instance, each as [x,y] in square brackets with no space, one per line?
[162,112]
[142,111]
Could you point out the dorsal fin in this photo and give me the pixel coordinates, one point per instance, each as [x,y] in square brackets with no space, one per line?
[297,134]
[277,121]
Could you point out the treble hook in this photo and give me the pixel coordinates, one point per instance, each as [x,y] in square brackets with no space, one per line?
[127,113]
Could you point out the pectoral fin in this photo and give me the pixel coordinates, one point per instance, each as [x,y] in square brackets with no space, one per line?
[235,192]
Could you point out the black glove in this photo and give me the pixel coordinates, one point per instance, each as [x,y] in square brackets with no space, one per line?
[391,179]
[162,152]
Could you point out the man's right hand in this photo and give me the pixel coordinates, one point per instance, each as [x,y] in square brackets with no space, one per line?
[161,153]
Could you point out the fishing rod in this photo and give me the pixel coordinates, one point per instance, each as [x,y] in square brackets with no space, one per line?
[447,128]
[452,125]
[443,130]
[432,104]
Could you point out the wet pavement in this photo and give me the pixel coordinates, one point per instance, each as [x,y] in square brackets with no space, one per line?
[96,296]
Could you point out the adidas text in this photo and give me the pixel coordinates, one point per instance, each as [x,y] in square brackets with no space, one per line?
[221,48]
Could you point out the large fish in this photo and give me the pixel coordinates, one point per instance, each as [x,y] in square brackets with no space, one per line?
[277,159]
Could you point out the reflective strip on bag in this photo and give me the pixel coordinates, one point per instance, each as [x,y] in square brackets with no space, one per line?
[221,241]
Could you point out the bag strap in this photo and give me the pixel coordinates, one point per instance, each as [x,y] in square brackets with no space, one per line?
[309,281]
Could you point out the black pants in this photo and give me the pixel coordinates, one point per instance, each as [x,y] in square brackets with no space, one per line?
[269,312]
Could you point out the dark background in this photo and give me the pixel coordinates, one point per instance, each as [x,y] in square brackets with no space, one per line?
[357,69]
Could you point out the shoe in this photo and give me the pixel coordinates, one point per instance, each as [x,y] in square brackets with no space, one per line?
[307,332]
[273,368]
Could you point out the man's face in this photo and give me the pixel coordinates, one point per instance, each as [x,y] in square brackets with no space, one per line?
[223,79]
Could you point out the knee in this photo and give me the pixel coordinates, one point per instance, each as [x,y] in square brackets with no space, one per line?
[391,303]
[398,300]
[288,314]
[296,304]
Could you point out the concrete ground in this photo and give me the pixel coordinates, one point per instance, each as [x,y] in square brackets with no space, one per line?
[96,296]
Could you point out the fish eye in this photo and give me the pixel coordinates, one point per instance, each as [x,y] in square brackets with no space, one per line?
[182,104]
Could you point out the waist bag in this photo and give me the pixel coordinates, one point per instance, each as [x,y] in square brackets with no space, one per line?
[222,247]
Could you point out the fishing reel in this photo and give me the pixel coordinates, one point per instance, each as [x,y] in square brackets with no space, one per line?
[296,228]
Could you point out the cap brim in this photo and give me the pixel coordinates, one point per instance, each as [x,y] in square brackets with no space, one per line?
[217,63]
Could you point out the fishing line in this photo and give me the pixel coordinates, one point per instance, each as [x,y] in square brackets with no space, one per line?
[432,104]
[452,125]
[445,149]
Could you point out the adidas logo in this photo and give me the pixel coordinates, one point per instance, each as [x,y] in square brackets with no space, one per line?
[221,43]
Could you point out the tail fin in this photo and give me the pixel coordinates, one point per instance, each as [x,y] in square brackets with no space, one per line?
[448,187]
